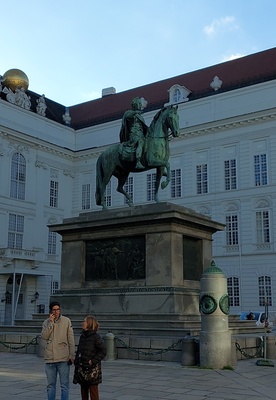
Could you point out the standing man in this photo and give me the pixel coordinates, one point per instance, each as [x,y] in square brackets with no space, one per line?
[59,351]
[134,129]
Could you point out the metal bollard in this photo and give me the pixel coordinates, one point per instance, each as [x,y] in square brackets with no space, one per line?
[111,348]
[189,352]
[233,352]
[40,346]
[270,347]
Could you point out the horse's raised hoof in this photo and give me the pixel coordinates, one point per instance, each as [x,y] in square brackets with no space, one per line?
[164,185]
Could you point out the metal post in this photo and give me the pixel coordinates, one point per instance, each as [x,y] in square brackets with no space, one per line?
[264,361]
[111,348]
[265,325]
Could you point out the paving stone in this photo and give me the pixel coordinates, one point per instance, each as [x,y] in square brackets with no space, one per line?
[22,377]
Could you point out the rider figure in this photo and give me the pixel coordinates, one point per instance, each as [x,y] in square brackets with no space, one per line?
[134,128]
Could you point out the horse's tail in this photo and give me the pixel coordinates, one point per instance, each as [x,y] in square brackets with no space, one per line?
[99,181]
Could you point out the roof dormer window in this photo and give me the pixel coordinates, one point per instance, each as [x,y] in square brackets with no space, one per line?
[178,94]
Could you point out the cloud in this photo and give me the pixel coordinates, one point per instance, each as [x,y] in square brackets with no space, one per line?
[218,25]
[232,57]
[87,96]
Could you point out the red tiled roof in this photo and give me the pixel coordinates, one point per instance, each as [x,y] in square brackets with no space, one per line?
[244,71]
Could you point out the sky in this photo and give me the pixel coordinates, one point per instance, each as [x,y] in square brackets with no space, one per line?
[71,50]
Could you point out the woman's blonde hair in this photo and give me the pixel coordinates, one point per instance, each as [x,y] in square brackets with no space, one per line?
[92,323]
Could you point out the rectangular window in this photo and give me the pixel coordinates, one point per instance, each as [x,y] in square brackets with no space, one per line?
[262,227]
[128,187]
[176,183]
[55,287]
[233,289]
[151,179]
[230,175]
[52,243]
[265,296]
[108,198]
[260,170]
[85,198]
[53,193]
[16,229]
[201,179]
[232,230]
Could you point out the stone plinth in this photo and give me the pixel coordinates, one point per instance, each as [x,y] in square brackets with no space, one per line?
[100,273]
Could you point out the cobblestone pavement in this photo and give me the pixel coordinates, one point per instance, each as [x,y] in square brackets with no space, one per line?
[22,377]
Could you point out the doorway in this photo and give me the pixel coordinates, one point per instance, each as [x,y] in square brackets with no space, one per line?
[15,295]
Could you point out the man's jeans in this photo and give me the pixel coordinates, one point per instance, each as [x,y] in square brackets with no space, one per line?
[52,370]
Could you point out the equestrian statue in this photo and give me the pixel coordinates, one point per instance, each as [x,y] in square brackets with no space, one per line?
[141,148]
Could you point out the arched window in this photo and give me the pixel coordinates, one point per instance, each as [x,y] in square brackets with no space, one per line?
[18,176]
[176,95]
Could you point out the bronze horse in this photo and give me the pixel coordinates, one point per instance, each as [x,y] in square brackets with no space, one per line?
[156,155]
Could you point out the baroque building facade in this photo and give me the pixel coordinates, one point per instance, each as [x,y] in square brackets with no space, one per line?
[222,165]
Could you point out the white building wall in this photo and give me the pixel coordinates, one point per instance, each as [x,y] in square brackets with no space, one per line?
[46,146]
[236,124]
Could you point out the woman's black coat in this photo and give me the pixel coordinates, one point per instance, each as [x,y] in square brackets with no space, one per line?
[91,347]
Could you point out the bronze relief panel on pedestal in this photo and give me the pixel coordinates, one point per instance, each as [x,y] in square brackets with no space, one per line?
[115,259]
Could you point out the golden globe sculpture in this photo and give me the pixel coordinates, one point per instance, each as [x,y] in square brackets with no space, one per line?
[15,78]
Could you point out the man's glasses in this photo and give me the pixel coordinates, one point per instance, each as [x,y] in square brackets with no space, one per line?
[55,309]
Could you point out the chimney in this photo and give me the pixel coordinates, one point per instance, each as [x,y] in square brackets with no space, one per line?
[108,91]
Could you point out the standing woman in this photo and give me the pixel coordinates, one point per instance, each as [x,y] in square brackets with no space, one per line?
[90,352]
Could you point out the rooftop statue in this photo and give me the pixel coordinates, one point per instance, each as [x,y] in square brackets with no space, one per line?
[41,106]
[141,148]
[21,99]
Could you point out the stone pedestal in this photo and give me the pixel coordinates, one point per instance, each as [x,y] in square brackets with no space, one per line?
[145,260]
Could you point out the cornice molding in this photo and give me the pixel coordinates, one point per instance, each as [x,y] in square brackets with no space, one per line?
[231,123]
[140,289]
[196,130]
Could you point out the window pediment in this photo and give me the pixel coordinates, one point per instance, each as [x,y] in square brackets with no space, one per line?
[262,203]
[231,207]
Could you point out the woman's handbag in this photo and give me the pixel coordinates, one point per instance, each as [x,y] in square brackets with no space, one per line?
[89,375]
